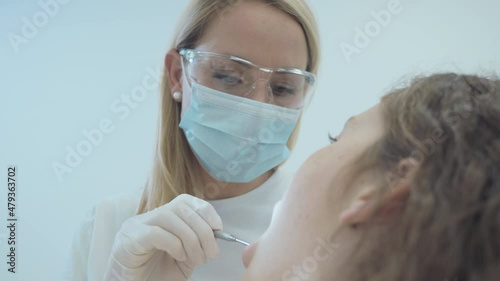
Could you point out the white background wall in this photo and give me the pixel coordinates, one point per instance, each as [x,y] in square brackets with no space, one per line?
[66,76]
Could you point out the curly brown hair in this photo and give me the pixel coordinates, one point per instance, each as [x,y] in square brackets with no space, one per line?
[449,227]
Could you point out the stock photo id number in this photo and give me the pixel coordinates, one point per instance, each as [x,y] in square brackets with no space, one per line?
[11,221]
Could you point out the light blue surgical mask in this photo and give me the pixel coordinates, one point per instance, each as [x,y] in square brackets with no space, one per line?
[236,139]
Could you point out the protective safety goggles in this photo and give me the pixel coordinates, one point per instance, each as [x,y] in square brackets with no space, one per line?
[286,87]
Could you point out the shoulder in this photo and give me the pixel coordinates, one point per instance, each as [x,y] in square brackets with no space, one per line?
[107,215]
[95,234]
[118,207]
[120,204]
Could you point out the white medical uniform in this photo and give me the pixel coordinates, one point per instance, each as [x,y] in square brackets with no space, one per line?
[246,216]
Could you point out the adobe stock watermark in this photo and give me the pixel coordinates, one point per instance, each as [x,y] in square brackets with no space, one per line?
[364,35]
[321,253]
[31,26]
[94,137]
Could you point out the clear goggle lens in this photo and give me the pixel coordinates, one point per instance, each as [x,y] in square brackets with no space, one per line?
[288,88]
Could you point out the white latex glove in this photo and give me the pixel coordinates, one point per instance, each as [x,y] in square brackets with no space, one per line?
[165,243]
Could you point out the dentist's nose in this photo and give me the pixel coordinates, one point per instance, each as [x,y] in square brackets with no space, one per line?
[261,92]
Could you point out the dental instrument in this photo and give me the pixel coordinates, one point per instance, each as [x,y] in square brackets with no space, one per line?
[229,237]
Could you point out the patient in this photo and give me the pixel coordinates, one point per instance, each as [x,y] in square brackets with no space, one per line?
[409,191]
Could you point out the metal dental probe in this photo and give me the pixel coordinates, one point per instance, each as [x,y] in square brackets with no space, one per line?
[229,237]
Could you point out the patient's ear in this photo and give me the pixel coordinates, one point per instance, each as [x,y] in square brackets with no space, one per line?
[378,204]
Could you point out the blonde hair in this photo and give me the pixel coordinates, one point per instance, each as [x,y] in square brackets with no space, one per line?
[175,166]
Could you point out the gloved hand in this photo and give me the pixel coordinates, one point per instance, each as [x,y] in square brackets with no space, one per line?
[165,243]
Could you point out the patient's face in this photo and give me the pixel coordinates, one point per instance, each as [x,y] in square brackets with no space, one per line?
[298,244]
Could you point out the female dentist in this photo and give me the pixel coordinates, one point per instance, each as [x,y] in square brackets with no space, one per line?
[235,80]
